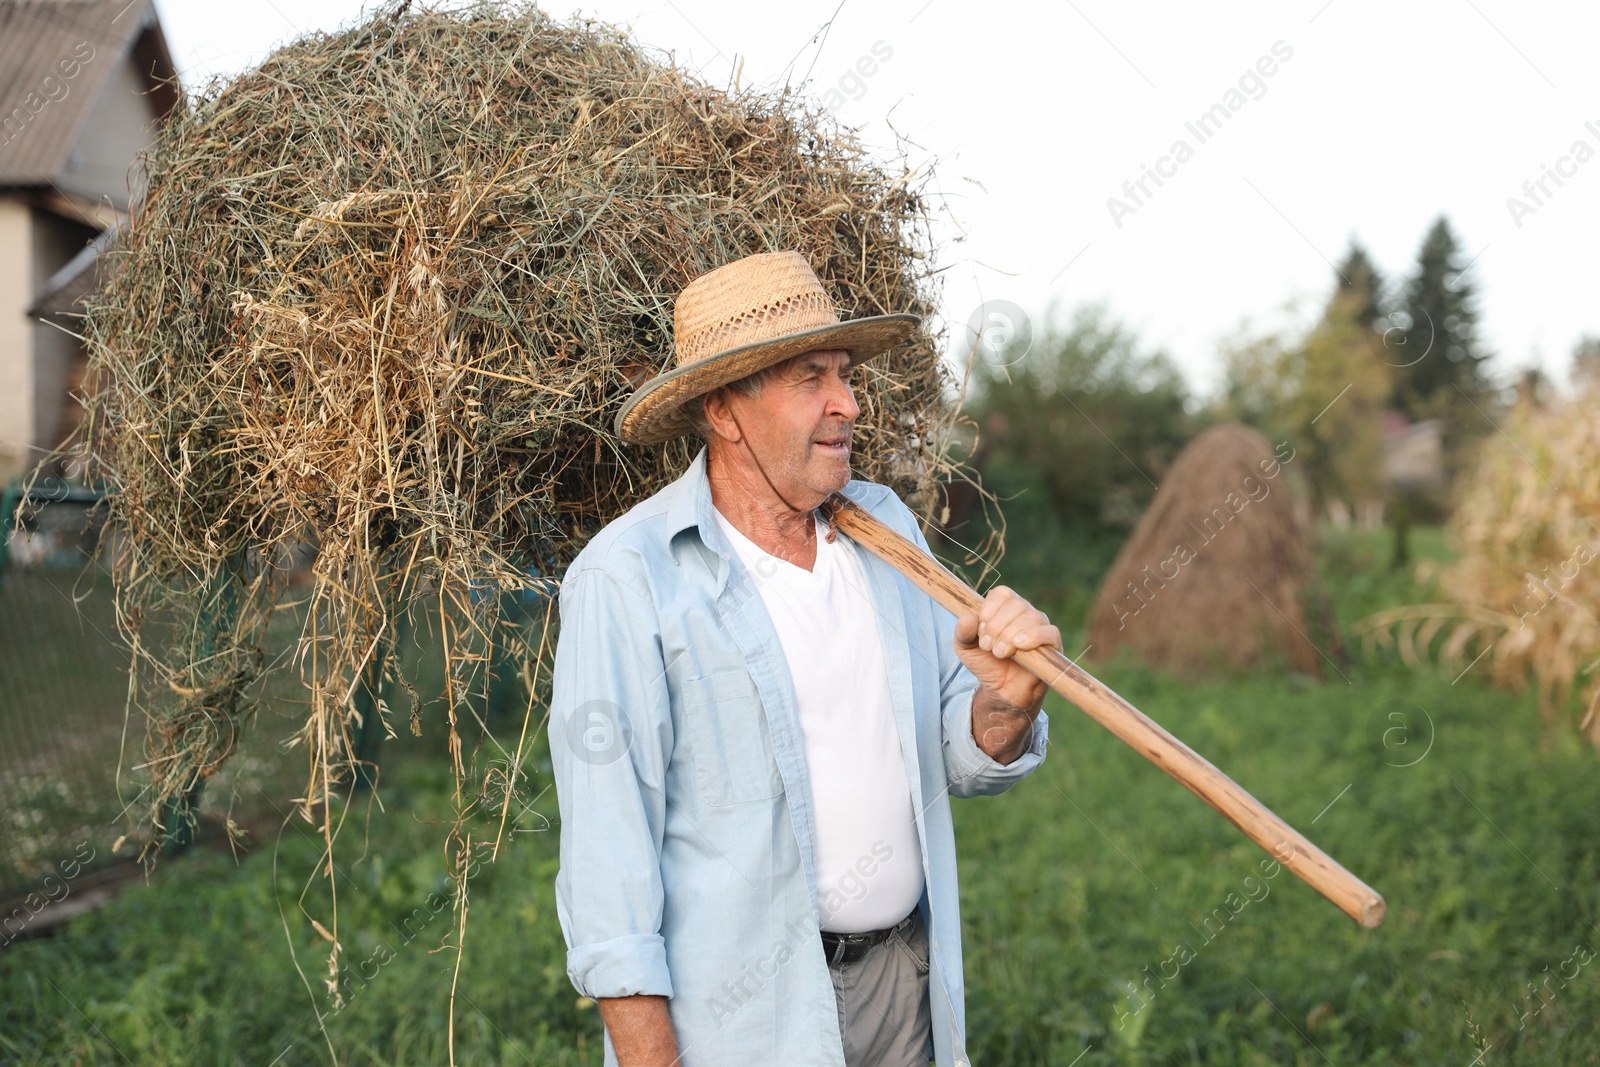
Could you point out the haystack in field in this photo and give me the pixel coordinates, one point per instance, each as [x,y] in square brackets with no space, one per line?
[1217,571]
[384,295]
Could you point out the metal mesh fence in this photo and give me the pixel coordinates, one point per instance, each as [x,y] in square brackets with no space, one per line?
[70,750]
[62,686]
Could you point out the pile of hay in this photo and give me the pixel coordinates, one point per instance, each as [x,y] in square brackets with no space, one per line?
[384,296]
[1217,575]
[1526,585]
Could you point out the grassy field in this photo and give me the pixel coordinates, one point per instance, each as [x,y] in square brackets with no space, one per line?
[1110,917]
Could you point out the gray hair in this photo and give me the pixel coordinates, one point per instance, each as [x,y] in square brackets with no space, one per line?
[748,386]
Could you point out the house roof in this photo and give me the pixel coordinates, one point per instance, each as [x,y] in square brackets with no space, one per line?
[36,38]
[84,273]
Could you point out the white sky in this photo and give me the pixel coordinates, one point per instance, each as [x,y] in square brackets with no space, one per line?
[1385,116]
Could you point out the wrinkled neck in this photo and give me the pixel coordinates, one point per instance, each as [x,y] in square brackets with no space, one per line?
[746,497]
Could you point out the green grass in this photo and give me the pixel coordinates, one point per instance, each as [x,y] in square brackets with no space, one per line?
[196,967]
[1098,867]
[1476,827]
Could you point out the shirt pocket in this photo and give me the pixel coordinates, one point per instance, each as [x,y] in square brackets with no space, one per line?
[729,741]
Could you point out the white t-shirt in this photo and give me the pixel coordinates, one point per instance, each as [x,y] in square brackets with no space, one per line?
[869,868]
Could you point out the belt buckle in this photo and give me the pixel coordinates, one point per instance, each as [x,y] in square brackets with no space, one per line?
[843,943]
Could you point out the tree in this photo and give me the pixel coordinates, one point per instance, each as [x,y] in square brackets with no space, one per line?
[1359,279]
[1441,347]
[1586,363]
[1440,361]
[1074,434]
[1323,393]
[1088,414]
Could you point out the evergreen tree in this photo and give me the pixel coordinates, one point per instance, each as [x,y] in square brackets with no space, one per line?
[1442,373]
[1362,286]
[1441,351]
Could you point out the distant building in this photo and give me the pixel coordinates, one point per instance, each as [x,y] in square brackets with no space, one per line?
[1413,452]
[82,85]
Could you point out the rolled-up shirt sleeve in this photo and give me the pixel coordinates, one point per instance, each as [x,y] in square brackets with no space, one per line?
[969,769]
[610,737]
[972,771]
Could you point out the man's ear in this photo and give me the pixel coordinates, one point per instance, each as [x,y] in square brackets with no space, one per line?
[720,416]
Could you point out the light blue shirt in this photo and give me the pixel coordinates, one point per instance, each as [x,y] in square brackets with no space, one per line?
[686,816]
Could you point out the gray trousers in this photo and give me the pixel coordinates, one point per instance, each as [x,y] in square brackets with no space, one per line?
[884,1016]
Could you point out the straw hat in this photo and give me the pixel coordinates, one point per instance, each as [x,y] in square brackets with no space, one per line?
[738,319]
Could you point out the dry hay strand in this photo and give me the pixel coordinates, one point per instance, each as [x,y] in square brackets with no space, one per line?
[1217,575]
[1524,588]
[384,295]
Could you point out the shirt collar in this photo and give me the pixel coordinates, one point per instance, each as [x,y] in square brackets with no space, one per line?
[690,506]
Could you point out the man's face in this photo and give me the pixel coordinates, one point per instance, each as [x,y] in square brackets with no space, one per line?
[799,426]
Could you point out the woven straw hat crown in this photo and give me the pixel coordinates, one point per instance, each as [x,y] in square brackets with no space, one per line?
[752,299]
[738,319]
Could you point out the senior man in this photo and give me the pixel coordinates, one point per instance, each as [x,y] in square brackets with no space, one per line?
[756,725]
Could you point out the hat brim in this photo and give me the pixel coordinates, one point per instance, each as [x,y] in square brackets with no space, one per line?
[654,413]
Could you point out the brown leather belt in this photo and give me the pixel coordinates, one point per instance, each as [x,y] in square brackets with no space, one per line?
[840,949]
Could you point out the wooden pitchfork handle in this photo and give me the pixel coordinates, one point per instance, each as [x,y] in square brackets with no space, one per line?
[1313,866]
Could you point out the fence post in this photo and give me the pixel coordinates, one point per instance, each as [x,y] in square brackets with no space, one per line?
[369,735]
[9,502]
[503,701]
[180,818]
